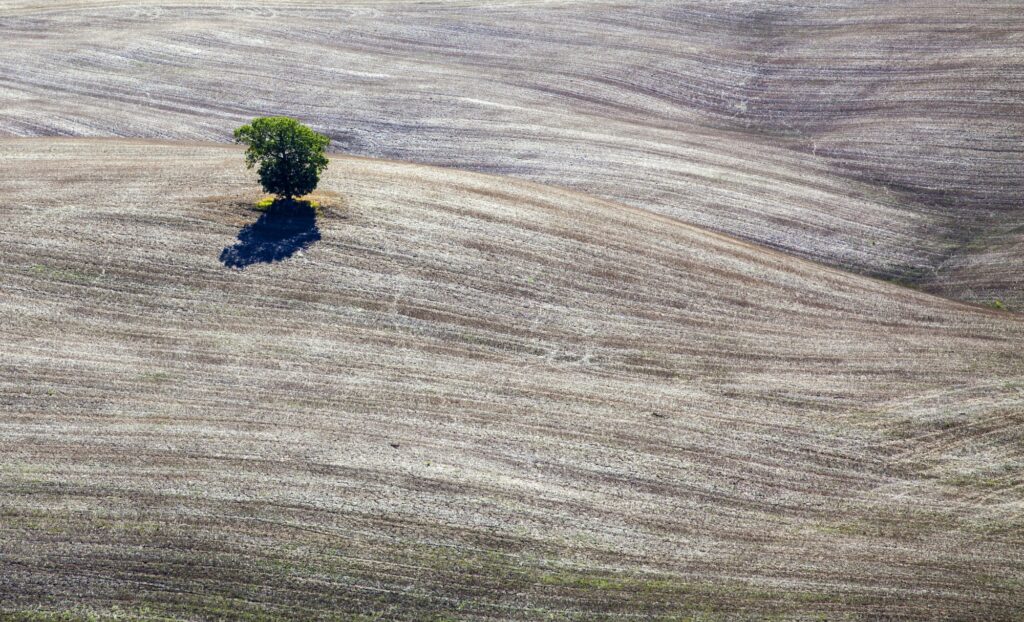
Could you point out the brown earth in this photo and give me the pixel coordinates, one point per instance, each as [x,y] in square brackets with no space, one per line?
[471,396]
[477,398]
[881,137]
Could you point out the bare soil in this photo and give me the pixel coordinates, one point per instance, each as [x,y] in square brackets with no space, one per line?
[476,397]
[604,315]
[880,137]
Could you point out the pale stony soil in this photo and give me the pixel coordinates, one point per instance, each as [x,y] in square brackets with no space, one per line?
[477,398]
[585,371]
[880,137]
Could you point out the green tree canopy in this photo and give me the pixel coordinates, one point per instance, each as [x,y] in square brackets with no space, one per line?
[289,154]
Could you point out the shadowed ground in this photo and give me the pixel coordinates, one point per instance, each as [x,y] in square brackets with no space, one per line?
[279,233]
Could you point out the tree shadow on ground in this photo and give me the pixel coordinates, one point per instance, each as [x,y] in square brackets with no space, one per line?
[286,228]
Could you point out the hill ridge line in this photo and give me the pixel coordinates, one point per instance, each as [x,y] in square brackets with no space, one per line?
[767,251]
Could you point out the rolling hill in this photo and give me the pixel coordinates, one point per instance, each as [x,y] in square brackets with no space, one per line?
[605,315]
[476,397]
[880,137]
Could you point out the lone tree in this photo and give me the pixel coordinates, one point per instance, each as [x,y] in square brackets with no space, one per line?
[289,154]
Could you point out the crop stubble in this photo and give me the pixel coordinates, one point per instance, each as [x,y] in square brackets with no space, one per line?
[481,397]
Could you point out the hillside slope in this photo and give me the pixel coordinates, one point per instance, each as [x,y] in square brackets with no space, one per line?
[477,397]
[880,137]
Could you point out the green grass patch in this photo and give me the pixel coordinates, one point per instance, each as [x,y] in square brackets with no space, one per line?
[66,275]
[157,377]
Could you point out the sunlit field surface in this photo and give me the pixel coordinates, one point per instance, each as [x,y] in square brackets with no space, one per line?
[609,311]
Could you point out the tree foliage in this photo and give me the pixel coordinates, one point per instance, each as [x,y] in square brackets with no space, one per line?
[290,156]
